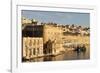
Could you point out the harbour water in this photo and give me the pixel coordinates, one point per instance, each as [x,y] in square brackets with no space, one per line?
[67,55]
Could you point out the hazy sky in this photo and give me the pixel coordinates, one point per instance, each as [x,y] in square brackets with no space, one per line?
[58,17]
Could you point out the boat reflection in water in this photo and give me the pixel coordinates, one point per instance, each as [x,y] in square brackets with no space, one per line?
[67,55]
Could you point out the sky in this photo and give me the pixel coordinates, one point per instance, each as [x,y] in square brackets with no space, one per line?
[82,19]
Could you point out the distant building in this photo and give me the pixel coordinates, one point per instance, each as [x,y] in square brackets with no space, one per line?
[25,20]
[34,22]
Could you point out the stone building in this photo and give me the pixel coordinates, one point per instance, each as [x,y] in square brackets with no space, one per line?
[32,31]
[47,39]
[25,20]
[32,47]
[52,39]
[32,40]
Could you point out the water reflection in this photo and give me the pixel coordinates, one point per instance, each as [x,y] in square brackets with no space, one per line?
[67,55]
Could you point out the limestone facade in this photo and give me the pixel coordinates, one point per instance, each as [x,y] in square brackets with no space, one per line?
[52,35]
[47,43]
[32,47]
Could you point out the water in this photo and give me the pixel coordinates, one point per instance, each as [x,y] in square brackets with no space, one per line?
[67,55]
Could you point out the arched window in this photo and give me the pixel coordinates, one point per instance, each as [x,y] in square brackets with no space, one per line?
[38,51]
[33,51]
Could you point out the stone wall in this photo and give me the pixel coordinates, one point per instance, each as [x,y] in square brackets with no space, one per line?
[54,34]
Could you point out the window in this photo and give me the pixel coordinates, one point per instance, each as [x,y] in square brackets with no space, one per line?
[34,51]
[38,50]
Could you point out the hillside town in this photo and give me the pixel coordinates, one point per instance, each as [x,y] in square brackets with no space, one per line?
[41,39]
